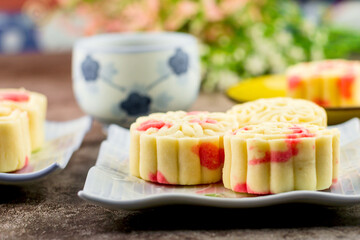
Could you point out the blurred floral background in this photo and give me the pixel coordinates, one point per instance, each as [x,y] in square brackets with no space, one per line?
[238,38]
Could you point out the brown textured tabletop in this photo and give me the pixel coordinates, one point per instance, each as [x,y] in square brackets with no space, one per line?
[51,209]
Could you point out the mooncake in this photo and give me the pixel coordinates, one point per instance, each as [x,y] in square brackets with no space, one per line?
[180,148]
[35,105]
[275,157]
[329,83]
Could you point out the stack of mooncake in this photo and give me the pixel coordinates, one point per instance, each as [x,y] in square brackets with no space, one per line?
[22,118]
[265,146]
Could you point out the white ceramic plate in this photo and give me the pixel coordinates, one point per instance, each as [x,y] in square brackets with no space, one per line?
[62,139]
[108,183]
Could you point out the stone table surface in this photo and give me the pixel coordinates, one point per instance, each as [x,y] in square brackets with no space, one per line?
[51,209]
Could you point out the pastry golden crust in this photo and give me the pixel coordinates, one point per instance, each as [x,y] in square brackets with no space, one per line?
[278,157]
[281,109]
[179,147]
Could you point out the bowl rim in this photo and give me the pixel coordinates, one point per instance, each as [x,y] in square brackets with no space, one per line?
[102,42]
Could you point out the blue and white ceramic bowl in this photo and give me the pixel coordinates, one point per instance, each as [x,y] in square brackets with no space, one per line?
[119,77]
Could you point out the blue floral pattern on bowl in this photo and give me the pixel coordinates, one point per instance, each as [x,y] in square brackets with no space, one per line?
[90,69]
[179,63]
[136,104]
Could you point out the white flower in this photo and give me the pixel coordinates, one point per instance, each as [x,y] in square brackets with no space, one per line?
[283,38]
[308,28]
[265,47]
[255,64]
[297,53]
[239,54]
[219,59]
[256,31]
[226,79]
[317,53]
[277,63]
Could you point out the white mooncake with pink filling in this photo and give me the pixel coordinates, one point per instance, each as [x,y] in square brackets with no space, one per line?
[329,83]
[272,157]
[35,105]
[14,139]
[179,148]
[279,109]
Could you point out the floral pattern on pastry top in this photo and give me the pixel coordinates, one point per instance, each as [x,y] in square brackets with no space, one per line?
[280,109]
[152,123]
[181,124]
[281,130]
[299,131]
[202,122]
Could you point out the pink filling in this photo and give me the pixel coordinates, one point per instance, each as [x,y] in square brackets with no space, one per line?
[321,102]
[240,187]
[294,82]
[345,84]
[161,178]
[202,122]
[210,155]
[15,96]
[152,124]
[158,177]
[26,161]
[152,177]
[278,156]
[265,159]
[300,132]
[234,132]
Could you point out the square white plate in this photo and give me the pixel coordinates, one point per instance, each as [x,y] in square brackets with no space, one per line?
[61,140]
[108,183]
